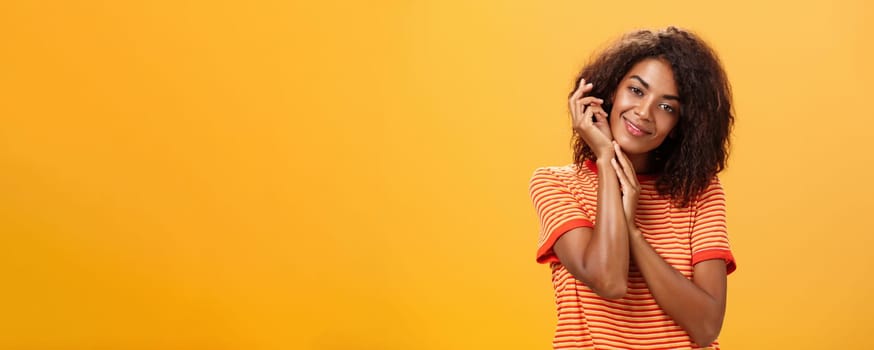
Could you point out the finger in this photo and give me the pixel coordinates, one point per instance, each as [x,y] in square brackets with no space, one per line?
[573,107]
[626,164]
[575,96]
[587,117]
[577,102]
[582,88]
[584,105]
[601,117]
[590,100]
[623,181]
[598,112]
[603,112]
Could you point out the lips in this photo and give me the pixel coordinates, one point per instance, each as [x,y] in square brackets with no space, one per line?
[634,129]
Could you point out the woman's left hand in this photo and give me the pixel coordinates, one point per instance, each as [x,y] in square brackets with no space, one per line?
[628,184]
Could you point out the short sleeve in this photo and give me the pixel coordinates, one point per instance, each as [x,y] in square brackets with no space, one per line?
[557,209]
[709,234]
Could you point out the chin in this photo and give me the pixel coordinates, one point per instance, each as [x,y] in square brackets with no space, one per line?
[630,146]
[625,143]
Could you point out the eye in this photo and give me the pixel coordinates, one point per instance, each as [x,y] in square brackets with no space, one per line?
[666,107]
[635,90]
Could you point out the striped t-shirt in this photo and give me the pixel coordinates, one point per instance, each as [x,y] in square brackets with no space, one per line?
[565,199]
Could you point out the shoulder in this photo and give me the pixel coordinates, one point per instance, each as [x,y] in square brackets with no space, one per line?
[567,179]
[554,174]
[713,194]
[714,188]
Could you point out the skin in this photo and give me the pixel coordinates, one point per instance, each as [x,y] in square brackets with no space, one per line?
[645,110]
[598,256]
[646,99]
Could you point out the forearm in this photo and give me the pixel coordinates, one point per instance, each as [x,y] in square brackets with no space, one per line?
[698,312]
[607,255]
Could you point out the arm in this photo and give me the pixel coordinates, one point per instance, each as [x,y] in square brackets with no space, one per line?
[697,305]
[597,256]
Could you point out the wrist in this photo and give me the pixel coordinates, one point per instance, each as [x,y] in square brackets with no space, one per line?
[603,160]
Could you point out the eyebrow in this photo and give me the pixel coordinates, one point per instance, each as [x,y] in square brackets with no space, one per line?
[646,85]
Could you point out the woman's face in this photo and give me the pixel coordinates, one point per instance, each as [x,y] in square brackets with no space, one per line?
[646,107]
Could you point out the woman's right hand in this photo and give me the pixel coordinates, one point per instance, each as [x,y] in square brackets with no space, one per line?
[596,133]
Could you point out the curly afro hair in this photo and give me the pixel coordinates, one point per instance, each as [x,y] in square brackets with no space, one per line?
[687,162]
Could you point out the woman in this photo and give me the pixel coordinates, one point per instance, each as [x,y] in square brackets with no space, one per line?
[634,230]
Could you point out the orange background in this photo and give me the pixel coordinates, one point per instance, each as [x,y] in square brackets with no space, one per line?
[353,175]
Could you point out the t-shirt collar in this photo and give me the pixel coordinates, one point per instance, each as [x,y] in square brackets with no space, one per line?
[594,168]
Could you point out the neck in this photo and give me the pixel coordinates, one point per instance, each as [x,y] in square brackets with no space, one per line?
[640,162]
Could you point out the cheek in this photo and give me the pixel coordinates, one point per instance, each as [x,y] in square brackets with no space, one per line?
[619,102]
[617,107]
[615,120]
[671,124]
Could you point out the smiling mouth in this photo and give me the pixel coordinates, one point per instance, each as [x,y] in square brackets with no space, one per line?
[634,129]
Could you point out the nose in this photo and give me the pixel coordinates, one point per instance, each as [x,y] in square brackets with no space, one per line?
[643,109]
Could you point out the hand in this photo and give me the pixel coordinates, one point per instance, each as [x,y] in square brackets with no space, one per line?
[595,133]
[627,183]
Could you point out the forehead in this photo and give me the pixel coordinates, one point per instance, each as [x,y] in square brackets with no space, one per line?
[657,73]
